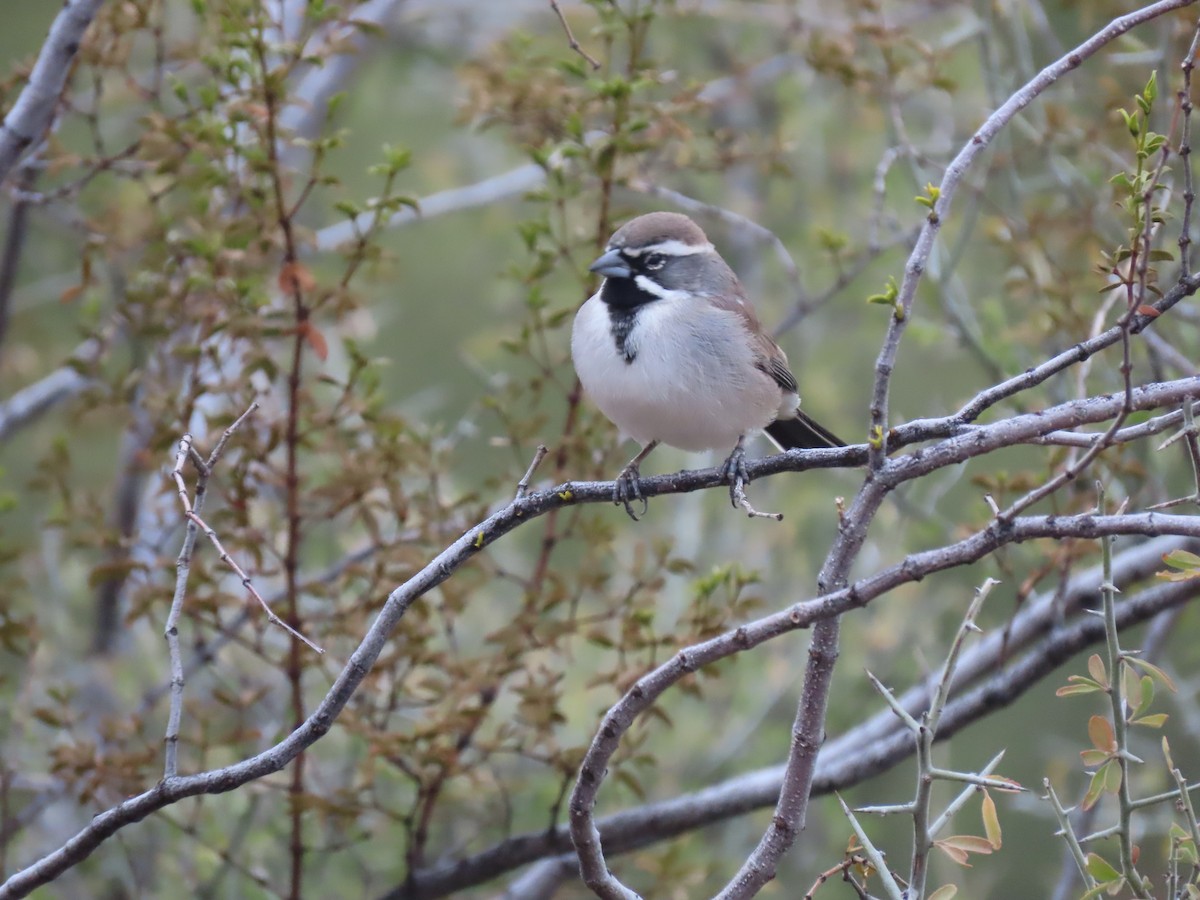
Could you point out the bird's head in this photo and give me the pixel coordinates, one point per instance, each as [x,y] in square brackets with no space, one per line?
[658,256]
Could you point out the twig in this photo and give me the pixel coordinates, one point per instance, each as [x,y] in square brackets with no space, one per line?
[341,50]
[842,868]
[808,730]
[844,763]
[14,244]
[1116,696]
[192,514]
[527,177]
[1185,155]
[1125,435]
[1191,438]
[171,632]
[523,484]
[1067,830]
[874,855]
[183,563]
[574,44]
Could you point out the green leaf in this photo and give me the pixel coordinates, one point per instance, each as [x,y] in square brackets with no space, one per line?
[1086,686]
[1181,559]
[1100,869]
[1154,720]
[1153,671]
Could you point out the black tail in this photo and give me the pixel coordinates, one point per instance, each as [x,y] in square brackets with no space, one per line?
[802,433]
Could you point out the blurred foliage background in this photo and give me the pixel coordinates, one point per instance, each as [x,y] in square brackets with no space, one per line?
[436,361]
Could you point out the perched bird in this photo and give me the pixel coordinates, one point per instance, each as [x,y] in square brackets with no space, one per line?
[672,352]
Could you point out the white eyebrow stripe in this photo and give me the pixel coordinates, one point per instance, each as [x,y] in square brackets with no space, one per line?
[653,287]
[672,247]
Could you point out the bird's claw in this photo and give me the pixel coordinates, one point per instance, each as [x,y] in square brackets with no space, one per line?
[735,472]
[626,491]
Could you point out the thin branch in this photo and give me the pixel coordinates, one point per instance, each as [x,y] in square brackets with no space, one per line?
[808,730]
[193,517]
[499,187]
[14,244]
[574,44]
[523,484]
[1185,155]
[183,566]
[1126,435]
[973,441]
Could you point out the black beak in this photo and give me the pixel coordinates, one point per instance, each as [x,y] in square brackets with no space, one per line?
[611,265]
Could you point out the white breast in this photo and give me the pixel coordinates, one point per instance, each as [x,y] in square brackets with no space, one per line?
[692,383]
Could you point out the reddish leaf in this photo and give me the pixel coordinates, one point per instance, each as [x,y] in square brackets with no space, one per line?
[1100,731]
[1149,311]
[315,339]
[295,278]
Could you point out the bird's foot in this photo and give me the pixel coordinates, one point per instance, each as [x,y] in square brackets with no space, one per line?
[735,472]
[627,491]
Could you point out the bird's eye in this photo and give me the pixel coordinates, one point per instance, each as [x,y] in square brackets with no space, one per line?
[655,261]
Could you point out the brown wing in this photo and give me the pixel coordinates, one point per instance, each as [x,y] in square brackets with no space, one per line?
[771,359]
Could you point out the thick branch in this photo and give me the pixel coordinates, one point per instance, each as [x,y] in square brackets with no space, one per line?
[34,110]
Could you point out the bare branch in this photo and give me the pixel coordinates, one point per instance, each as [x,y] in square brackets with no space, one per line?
[917,261]
[309,98]
[851,757]
[498,187]
[574,44]
[803,615]
[506,519]
[34,110]
[27,404]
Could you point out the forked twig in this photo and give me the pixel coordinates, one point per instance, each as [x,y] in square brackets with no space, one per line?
[574,44]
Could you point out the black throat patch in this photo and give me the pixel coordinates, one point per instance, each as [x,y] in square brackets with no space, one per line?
[624,299]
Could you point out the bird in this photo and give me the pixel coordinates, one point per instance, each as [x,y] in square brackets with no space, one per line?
[672,352]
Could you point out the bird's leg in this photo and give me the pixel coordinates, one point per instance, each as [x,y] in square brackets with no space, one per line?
[735,472]
[626,488]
